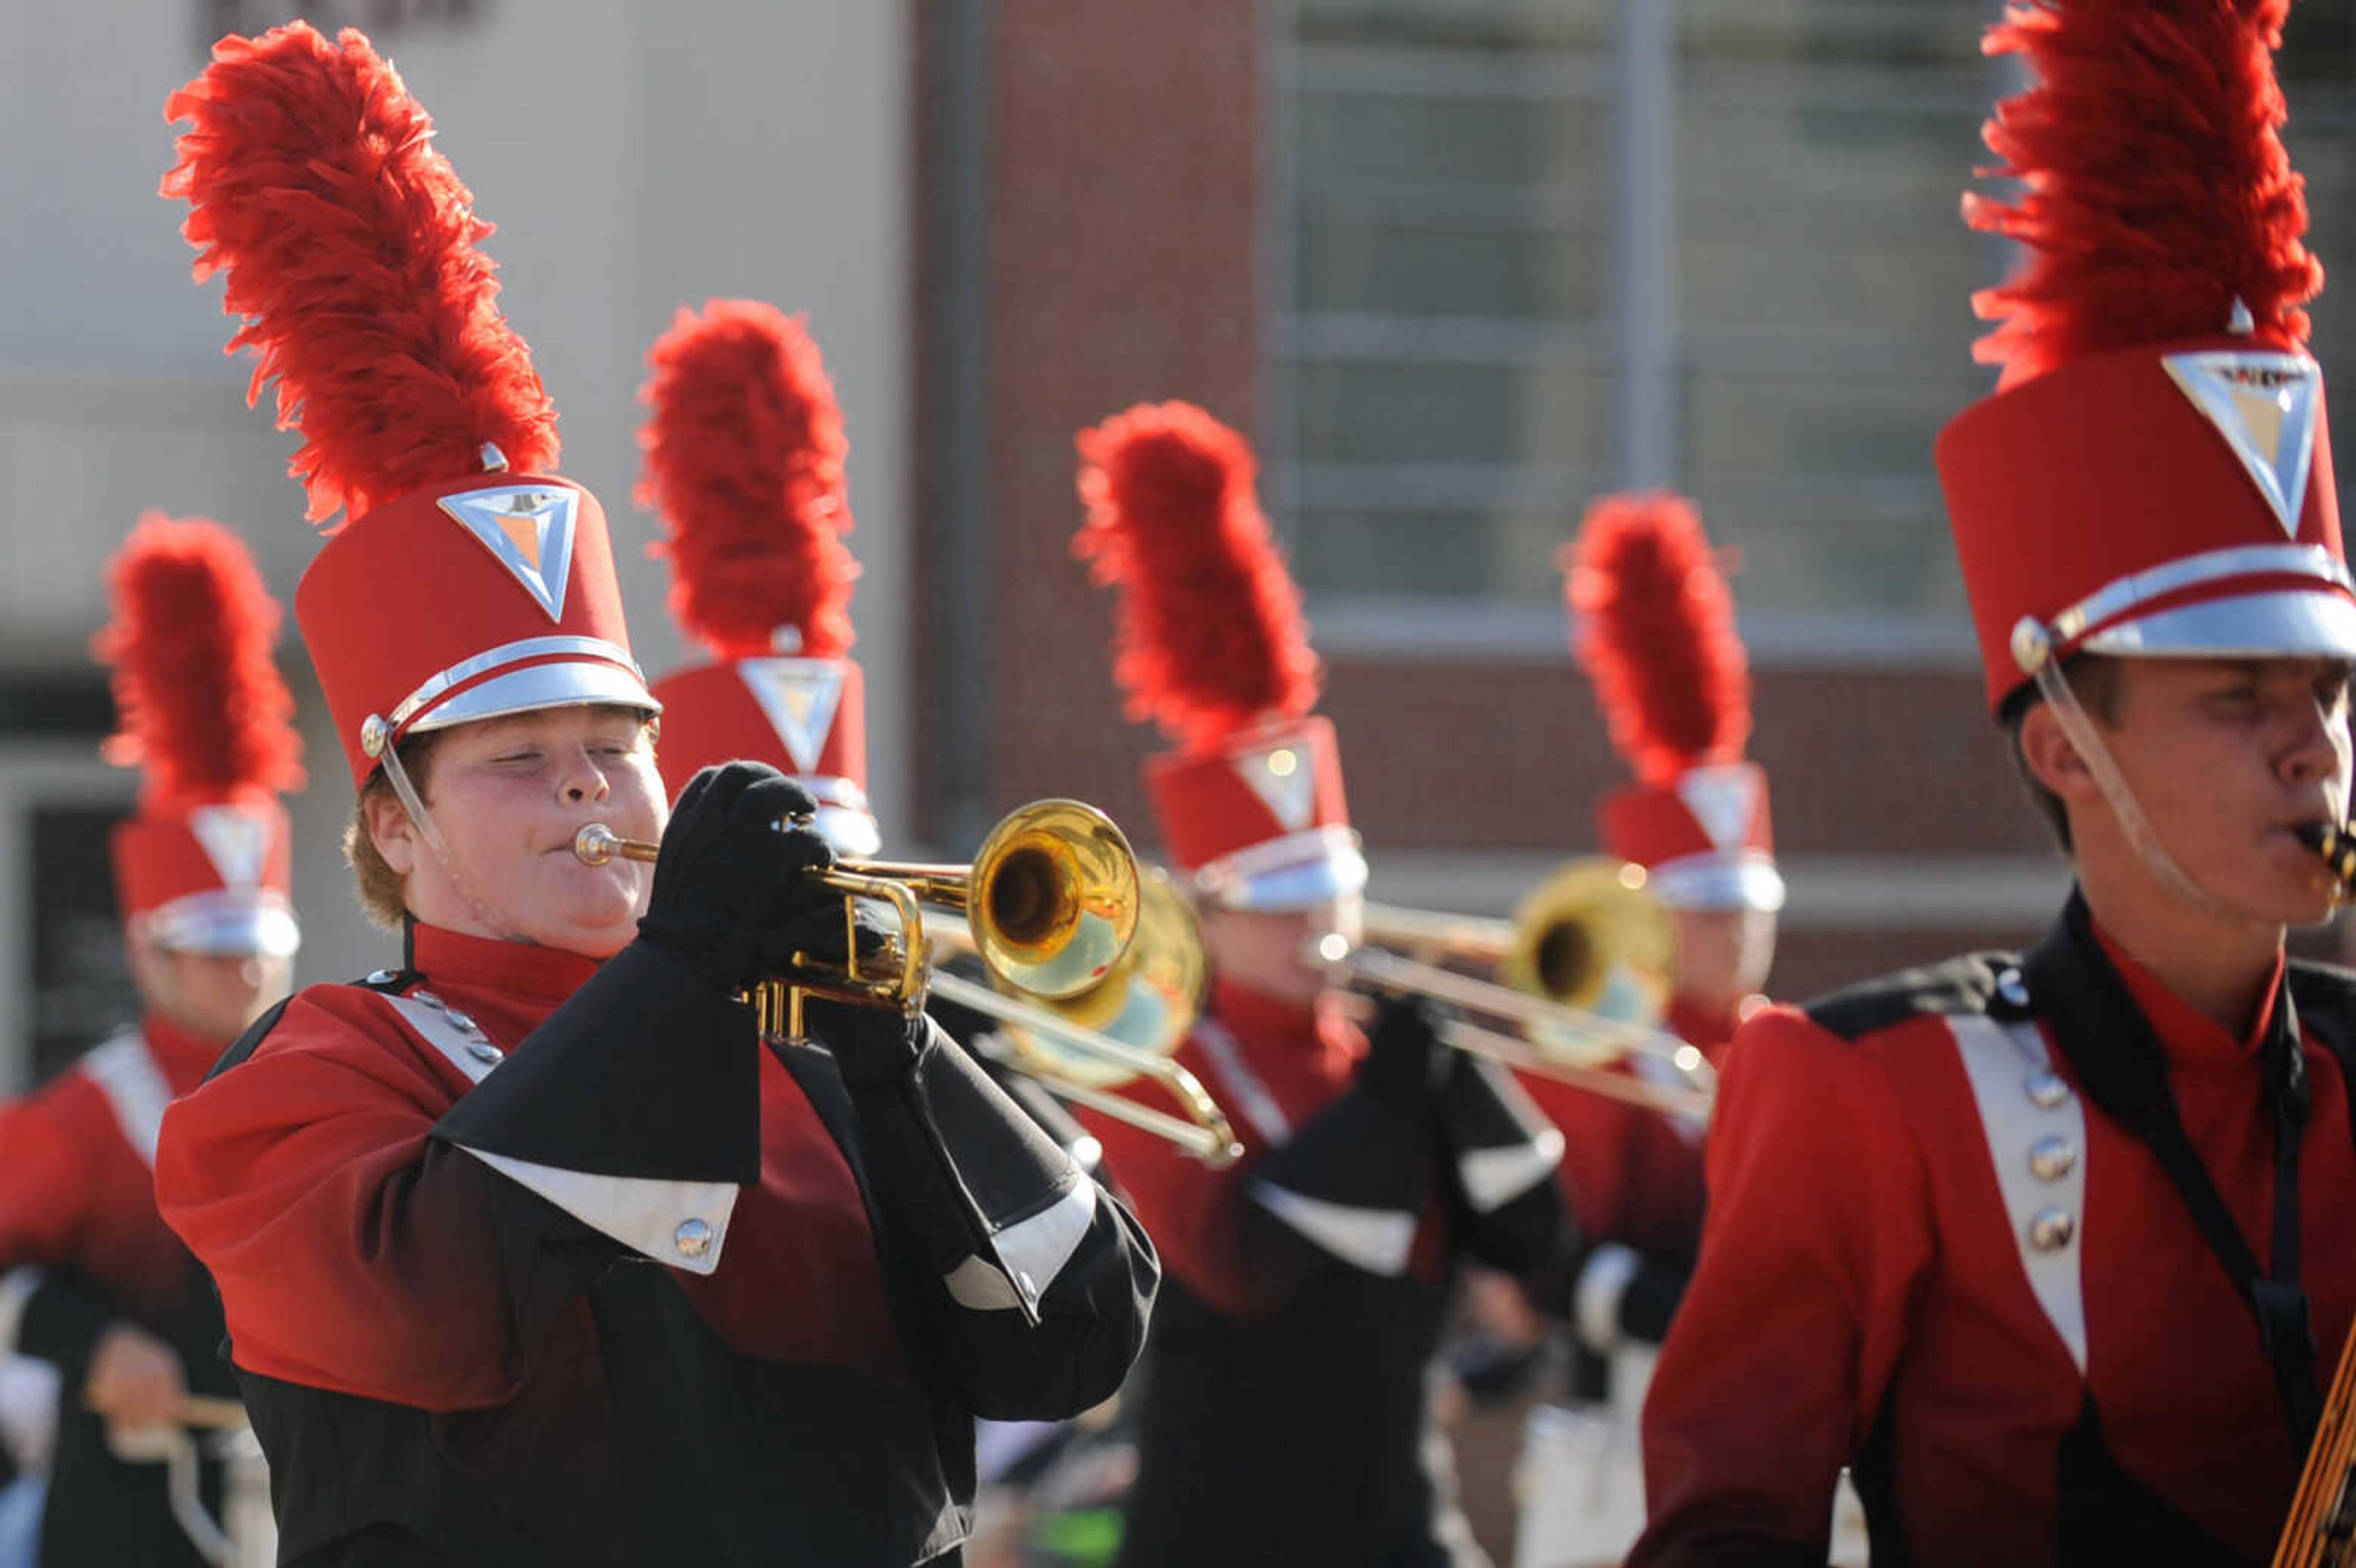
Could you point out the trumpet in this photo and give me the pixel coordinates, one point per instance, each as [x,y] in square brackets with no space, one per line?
[1050,898]
[1585,965]
[1124,1028]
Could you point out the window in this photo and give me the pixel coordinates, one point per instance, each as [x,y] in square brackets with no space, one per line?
[1476,274]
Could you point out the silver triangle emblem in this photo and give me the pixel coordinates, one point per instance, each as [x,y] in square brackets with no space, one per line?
[529,530]
[1285,779]
[2263,405]
[1723,800]
[799,697]
[237,841]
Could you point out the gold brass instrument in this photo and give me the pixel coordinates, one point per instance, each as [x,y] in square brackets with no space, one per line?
[1085,1046]
[1586,966]
[1050,899]
[2321,1530]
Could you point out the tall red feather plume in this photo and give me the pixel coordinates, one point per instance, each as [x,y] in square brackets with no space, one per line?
[1659,639]
[2157,191]
[203,708]
[745,466]
[349,250]
[1209,635]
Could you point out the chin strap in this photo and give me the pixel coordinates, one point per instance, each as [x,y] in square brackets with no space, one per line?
[397,776]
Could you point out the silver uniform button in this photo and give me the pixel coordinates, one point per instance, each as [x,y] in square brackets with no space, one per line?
[2052,1157]
[484,1050]
[464,1023]
[2046,1088]
[2012,987]
[692,1237]
[2052,1230]
[382,977]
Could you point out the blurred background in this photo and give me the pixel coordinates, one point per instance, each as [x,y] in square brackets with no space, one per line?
[1458,266]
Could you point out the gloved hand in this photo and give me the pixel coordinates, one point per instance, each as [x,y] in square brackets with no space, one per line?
[727,874]
[1405,1063]
[874,1046]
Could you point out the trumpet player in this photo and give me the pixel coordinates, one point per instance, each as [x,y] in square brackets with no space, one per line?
[530,1251]
[1286,1418]
[2051,1248]
[92,1280]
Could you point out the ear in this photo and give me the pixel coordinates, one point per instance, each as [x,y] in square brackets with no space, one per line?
[390,829]
[2053,761]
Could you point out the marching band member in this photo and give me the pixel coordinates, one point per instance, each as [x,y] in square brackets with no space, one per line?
[1286,1418]
[92,1281]
[530,1251]
[1670,674]
[2044,1246]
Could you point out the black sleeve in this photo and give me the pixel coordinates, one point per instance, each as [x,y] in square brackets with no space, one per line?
[646,1072]
[1347,1189]
[62,1323]
[1503,1156]
[1039,1283]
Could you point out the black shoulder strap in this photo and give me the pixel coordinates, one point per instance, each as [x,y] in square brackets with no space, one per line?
[2120,1065]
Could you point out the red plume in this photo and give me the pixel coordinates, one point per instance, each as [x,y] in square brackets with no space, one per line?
[2158,190]
[1659,639]
[348,245]
[204,709]
[1209,635]
[743,464]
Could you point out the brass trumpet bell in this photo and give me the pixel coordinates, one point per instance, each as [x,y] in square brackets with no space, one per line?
[1051,898]
[1054,899]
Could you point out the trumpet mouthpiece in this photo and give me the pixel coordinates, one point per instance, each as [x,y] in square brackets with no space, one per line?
[2338,849]
[595,844]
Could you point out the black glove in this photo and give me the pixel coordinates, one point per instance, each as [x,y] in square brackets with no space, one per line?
[728,878]
[1405,1063]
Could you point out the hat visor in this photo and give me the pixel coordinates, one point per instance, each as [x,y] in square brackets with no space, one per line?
[1335,869]
[2276,622]
[1702,882]
[567,683]
[224,925]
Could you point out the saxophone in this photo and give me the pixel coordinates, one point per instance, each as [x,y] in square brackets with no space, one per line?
[2321,1531]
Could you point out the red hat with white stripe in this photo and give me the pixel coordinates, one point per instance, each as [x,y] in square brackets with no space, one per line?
[1656,635]
[1211,645]
[204,866]
[744,451]
[467,581]
[2153,475]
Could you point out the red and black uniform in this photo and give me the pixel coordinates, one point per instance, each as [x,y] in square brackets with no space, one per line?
[81,1249]
[444,1364]
[1633,1177]
[1286,1419]
[1979,1286]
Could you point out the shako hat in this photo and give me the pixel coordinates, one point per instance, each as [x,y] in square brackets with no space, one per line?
[1211,645]
[466,579]
[2153,475]
[743,452]
[203,865]
[1655,631]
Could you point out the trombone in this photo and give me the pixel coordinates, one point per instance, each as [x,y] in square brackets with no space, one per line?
[1585,948]
[1051,900]
[1085,1046]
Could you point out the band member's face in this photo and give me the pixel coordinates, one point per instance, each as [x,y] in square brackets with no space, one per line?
[1723,955]
[508,796]
[213,998]
[2229,757]
[1270,952]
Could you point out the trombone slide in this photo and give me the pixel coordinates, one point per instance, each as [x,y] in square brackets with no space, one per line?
[1204,1133]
